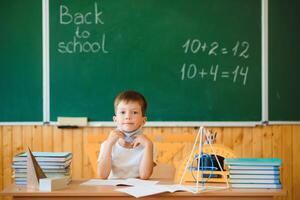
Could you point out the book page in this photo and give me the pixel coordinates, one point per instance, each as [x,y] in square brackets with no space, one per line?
[115,182]
[143,190]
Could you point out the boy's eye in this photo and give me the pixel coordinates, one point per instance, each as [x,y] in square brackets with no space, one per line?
[135,112]
[122,112]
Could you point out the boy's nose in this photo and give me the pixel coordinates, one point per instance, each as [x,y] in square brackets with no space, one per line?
[127,116]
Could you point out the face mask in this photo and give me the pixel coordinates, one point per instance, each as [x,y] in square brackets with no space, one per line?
[129,135]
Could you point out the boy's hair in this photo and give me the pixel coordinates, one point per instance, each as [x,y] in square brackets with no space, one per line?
[131,96]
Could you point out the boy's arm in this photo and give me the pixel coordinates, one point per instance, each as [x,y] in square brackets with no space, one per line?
[104,161]
[147,164]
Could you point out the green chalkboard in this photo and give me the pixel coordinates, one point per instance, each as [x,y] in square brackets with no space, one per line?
[284,70]
[193,60]
[21,61]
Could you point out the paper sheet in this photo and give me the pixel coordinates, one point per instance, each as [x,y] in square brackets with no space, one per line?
[115,182]
[142,190]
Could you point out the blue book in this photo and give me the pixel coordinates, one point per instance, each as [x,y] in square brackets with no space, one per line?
[45,156]
[255,172]
[253,167]
[255,176]
[254,181]
[258,186]
[253,161]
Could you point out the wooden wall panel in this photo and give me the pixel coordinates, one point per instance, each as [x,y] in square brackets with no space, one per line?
[174,145]
[47,138]
[7,155]
[296,162]
[36,138]
[287,170]
[277,147]
[77,151]
[1,160]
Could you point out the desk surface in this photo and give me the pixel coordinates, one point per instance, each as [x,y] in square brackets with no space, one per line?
[76,191]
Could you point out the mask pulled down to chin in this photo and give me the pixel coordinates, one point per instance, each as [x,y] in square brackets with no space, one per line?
[129,135]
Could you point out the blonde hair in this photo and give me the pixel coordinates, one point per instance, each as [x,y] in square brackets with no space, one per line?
[130,95]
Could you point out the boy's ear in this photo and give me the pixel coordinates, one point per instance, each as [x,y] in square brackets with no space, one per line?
[144,120]
[114,118]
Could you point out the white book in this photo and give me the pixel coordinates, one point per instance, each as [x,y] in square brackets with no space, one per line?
[44,163]
[23,181]
[49,175]
[45,156]
[253,161]
[50,184]
[255,167]
[43,167]
[238,180]
[254,176]
[241,171]
[65,170]
[142,191]
[258,186]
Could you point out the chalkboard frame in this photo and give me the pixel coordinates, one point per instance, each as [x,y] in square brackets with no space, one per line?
[265,104]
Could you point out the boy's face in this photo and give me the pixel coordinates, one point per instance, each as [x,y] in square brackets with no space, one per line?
[129,116]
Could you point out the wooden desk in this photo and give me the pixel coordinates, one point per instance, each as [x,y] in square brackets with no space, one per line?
[74,191]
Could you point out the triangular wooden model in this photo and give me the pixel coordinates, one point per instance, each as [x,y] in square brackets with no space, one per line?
[34,171]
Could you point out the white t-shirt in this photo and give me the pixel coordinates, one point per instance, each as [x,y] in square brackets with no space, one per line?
[125,162]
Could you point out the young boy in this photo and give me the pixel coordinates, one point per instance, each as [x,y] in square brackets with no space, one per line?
[127,153]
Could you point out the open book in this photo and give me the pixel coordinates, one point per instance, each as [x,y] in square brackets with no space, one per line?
[120,182]
[142,190]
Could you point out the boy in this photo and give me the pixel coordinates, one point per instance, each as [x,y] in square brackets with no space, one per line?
[127,153]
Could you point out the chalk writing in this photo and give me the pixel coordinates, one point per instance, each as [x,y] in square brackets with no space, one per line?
[214,72]
[193,46]
[82,41]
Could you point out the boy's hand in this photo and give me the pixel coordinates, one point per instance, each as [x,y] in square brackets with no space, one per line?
[141,139]
[114,136]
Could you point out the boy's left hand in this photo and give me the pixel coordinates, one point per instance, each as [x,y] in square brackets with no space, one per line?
[141,139]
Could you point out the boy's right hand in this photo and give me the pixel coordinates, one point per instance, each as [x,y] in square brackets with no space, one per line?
[114,136]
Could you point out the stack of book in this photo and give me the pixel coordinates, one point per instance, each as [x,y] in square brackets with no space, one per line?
[53,164]
[254,172]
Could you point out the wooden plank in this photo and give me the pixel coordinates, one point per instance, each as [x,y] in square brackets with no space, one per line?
[247,143]
[257,142]
[267,142]
[93,149]
[227,138]
[173,135]
[296,162]
[7,155]
[47,139]
[57,139]
[277,141]
[27,136]
[87,171]
[157,134]
[219,137]
[77,154]
[147,131]
[277,146]
[237,138]
[1,158]
[68,143]
[37,138]
[287,162]
[17,140]
[68,140]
